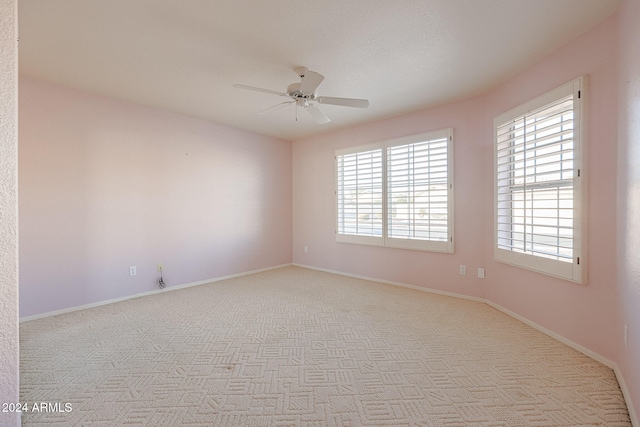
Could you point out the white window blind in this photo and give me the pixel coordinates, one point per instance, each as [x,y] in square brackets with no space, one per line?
[537,195]
[360,193]
[417,188]
[397,194]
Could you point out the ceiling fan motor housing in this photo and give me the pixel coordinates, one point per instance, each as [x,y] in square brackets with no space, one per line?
[294,92]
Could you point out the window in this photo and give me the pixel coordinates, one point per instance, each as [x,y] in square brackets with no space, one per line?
[359,194]
[539,184]
[397,193]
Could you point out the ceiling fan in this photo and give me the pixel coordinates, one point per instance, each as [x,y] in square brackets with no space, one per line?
[303,94]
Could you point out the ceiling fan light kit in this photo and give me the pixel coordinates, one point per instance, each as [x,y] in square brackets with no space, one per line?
[303,94]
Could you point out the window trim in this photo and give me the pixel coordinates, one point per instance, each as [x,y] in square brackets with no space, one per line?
[576,270]
[395,242]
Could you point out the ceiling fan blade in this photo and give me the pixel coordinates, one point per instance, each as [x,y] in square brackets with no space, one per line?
[258,89]
[345,102]
[317,114]
[310,81]
[275,107]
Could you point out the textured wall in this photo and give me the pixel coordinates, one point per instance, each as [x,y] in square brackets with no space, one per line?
[9,363]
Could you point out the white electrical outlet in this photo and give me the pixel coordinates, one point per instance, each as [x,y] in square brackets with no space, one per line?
[626,336]
[306,249]
[480,273]
[463,270]
[160,267]
[132,270]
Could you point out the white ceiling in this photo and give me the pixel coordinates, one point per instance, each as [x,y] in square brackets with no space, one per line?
[185,56]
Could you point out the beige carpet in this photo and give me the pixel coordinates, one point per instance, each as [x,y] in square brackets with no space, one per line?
[297,347]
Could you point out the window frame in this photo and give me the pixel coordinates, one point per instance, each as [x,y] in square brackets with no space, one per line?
[395,242]
[576,270]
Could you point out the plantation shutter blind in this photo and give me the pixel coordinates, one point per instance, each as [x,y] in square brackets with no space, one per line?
[359,194]
[537,204]
[397,193]
[417,190]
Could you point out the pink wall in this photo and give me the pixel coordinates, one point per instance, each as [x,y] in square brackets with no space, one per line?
[629,196]
[314,203]
[105,185]
[587,315]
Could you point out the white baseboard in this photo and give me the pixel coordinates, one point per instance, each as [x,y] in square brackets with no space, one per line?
[553,335]
[625,392]
[144,294]
[609,363]
[534,325]
[576,346]
[389,282]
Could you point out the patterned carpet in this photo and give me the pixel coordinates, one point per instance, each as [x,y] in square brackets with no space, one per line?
[298,347]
